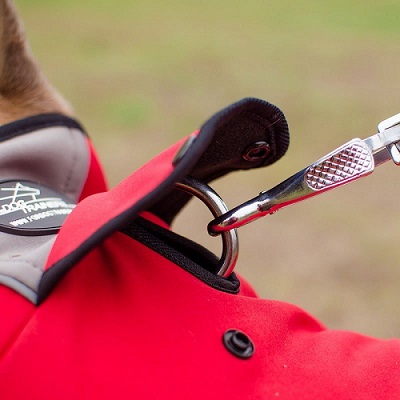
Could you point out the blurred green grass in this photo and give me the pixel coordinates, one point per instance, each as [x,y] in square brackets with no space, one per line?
[141,75]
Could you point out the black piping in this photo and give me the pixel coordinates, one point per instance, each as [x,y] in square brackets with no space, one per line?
[183,168]
[31,124]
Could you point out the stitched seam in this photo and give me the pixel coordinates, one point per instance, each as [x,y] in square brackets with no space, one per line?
[31,263]
[16,280]
[28,263]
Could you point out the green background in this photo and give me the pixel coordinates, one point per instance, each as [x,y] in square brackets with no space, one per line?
[143,74]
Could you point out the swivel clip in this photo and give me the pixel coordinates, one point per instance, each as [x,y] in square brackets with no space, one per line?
[349,162]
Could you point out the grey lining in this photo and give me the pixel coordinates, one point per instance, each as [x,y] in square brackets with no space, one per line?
[56,157]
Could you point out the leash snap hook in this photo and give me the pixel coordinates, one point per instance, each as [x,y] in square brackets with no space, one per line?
[349,162]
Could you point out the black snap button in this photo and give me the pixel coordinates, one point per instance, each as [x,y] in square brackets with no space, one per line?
[238,343]
[257,151]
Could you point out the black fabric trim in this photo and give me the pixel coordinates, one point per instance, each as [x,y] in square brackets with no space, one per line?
[234,129]
[183,252]
[52,275]
[155,199]
[36,122]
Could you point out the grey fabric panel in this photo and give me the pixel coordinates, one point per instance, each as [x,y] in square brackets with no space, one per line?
[23,257]
[56,157]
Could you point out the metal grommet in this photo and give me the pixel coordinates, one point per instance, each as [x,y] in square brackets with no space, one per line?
[256,151]
[230,243]
[238,343]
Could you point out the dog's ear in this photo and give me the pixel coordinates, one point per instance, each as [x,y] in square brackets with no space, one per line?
[24,90]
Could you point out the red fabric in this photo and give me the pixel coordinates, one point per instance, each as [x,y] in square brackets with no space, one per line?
[126,323]
[98,209]
[95,182]
[15,311]
[154,218]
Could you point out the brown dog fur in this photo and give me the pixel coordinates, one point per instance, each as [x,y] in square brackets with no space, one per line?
[24,90]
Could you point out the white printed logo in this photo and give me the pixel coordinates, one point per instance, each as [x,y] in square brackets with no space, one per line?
[30,208]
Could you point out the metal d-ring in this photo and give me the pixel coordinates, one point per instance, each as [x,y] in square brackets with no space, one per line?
[230,243]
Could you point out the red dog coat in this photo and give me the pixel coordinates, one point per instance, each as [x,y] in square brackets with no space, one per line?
[116,306]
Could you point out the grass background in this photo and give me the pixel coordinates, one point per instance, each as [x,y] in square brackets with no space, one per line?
[142,74]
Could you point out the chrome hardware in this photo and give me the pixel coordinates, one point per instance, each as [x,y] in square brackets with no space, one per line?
[230,243]
[349,162]
[393,147]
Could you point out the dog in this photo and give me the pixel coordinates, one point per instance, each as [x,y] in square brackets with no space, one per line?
[24,89]
[122,308]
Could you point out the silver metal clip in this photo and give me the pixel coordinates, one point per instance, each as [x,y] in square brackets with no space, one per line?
[349,162]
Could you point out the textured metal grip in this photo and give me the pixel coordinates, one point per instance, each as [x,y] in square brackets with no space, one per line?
[349,162]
